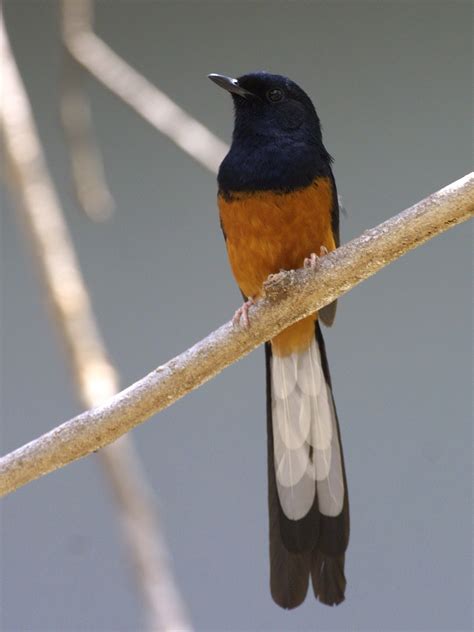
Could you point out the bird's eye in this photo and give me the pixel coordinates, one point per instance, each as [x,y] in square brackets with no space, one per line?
[275,95]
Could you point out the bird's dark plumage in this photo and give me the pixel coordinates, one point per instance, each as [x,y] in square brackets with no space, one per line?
[291,158]
[278,204]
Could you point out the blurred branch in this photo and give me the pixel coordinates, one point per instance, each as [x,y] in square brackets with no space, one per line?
[87,167]
[95,377]
[289,296]
[137,92]
[147,548]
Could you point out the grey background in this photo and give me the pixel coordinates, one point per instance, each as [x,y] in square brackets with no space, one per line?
[391,81]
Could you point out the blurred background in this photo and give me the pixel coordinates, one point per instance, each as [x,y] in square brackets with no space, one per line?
[391,82]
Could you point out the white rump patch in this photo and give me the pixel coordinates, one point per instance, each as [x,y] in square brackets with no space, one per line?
[306,445]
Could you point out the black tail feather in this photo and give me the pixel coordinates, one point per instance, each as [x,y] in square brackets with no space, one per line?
[289,572]
[314,545]
[327,574]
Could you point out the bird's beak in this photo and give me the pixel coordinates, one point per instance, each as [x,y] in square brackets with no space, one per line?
[230,84]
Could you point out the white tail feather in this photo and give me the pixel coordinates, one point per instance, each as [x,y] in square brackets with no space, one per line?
[297,407]
[310,374]
[284,376]
[331,488]
[321,464]
[306,445]
[291,465]
[295,500]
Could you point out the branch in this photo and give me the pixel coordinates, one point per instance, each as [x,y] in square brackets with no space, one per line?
[95,377]
[290,296]
[88,174]
[141,95]
[147,547]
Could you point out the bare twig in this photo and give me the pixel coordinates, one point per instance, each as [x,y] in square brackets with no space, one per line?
[142,96]
[87,167]
[290,296]
[95,377]
[149,553]
[88,174]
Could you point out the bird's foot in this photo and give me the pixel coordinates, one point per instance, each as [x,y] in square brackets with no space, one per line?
[312,260]
[241,316]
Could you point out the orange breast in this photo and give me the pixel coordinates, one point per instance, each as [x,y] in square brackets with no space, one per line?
[267,231]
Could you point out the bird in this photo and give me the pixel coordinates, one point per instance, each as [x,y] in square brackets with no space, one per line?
[278,209]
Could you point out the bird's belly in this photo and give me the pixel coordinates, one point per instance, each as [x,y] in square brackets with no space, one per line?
[268,231]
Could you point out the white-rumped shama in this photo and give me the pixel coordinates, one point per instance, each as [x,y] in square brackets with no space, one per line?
[278,208]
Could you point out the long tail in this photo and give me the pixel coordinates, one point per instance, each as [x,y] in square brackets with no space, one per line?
[307,489]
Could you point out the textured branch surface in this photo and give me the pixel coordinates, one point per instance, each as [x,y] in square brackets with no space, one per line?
[290,296]
[94,375]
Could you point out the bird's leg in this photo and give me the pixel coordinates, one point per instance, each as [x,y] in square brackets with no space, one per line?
[242,314]
[312,260]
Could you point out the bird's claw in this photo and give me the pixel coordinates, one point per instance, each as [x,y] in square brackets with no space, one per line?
[312,261]
[241,315]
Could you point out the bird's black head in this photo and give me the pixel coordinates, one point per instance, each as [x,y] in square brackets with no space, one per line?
[271,106]
[277,141]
